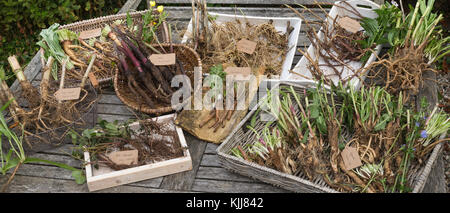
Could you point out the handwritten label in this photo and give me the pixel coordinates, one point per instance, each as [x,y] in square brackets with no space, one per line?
[68,94]
[351,158]
[246,46]
[91,33]
[128,157]
[93,79]
[245,71]
[349,24]
[162,59]
[13,62]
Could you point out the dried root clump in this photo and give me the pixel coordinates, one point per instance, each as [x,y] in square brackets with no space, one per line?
[217,45]
[43,120]
[155,141]
[402,71]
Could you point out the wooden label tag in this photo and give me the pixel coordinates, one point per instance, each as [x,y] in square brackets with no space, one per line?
[127,157]
[68,94]
[14,63]
[246,46]
[349,24]
[245,71]
[90,33]
[351,158]
[93,79]
[162,59]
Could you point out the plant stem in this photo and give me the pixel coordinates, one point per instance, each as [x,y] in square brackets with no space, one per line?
[10,178]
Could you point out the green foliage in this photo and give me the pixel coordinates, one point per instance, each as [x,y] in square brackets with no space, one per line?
[386,28]
[22,21]
[92,139]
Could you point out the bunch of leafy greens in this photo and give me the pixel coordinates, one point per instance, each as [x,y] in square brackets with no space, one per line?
[51,44]
[418,28]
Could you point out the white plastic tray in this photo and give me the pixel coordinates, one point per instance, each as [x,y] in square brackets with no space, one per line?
[279,23]
[302,67]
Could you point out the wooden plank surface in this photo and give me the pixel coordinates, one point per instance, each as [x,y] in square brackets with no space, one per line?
[29,184]
[203,185]
[184,180]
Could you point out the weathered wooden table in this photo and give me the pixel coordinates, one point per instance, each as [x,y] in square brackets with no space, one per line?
[207,175]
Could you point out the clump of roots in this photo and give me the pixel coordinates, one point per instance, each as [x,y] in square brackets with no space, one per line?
[401,71]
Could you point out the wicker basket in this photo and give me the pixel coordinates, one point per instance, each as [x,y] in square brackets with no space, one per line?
[188,58]
[101,22]
[242,136]
[57,137]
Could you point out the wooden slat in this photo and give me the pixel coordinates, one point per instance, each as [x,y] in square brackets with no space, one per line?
[27,184]
[53,172]
[184,180]
[211,148]
[30,71]
[210,160]
[202,185]
[247,2]
[114,109]
[130,5]
[111,118]
[217,173]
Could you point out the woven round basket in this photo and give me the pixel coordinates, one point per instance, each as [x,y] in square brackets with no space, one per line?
[188,58]
[101,22]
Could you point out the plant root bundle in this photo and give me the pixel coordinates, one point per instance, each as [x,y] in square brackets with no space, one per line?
[155,142]
[383,139]
[41,118]
[81,53]
[402,71]
[218,44]
[144,79]
[337,47]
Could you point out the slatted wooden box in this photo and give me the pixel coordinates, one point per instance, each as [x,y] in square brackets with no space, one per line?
[104,177]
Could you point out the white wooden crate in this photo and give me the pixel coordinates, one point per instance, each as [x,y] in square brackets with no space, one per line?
[365,8]
[280,24]
[105,177]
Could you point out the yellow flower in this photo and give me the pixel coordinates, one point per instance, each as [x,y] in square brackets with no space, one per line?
[152,3]
[160,8]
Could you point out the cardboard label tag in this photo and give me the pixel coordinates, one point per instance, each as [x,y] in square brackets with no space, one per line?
[351,158]
[13,62]
[162,59]
[93,79]
[246,46]
[245,71]
[127,157]
[91,33]
[349,24]
[68,94]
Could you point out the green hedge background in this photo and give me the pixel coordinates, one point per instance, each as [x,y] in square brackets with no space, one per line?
[23,20]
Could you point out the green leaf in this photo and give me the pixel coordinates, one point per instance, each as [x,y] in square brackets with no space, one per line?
[88,6]
[10,164]
[305,136]
[79,177]
[314,109]
[129,21]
